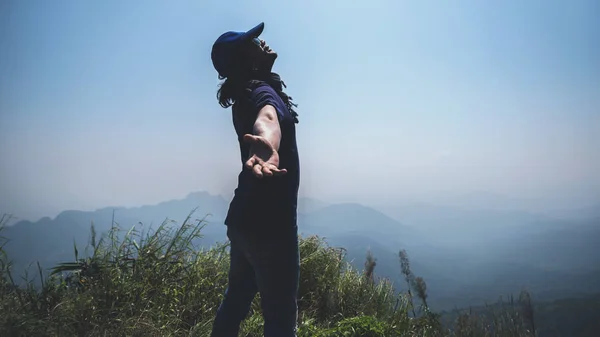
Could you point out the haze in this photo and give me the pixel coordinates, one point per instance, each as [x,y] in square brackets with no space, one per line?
[113,103]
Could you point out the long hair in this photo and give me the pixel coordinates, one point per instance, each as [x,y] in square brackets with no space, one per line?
[233,89]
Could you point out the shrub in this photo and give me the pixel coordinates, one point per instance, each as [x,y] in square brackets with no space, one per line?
[161,284]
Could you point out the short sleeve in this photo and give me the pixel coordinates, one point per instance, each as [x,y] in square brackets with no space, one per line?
[265,95]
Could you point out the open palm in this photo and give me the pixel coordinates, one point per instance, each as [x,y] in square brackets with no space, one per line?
[264,159]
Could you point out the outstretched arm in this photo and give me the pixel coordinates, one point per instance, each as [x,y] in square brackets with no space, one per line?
[267,126]
[264,144]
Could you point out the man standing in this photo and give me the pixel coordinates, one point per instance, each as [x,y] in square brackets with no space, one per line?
[261,221]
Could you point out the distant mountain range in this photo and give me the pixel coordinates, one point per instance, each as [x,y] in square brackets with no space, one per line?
[466,256]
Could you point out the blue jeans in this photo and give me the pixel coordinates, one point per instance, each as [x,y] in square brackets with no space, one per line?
[268,263]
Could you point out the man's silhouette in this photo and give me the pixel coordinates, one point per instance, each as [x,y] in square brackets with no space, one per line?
[261,221]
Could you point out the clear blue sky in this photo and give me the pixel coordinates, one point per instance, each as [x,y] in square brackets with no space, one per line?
[113,102]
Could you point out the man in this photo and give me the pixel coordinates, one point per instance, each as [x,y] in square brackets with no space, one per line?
[261,221]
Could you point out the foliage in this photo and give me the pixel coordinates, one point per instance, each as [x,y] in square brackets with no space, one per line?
[161,284]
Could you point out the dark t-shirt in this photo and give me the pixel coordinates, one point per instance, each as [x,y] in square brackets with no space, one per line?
[269,202]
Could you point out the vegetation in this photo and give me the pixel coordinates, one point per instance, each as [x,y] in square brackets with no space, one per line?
[162,284]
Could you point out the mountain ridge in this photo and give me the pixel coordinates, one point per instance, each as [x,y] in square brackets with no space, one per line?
[450,270]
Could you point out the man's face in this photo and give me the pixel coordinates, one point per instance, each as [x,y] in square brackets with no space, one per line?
[260,54]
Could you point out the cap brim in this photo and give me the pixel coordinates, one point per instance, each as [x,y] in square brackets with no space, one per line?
[256,31]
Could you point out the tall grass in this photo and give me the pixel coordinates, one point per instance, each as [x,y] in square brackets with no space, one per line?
[163,284]
[511,318]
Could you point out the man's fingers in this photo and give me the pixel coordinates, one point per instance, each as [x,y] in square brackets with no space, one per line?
[277,171]
[253,161]
[257,169]
[267,171]
[250,163]
[263,169]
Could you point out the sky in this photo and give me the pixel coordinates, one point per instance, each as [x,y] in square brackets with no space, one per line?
[113,103]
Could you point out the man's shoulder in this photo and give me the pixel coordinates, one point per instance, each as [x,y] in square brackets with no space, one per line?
[263,88]
[263,94]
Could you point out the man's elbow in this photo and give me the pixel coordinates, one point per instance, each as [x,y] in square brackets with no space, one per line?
[267,125]
[268,114]
[267,121]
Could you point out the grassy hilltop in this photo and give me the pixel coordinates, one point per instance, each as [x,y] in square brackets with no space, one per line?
[161,284]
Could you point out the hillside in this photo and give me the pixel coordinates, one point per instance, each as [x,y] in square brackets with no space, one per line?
[564,317]
[495,252]
[137,286]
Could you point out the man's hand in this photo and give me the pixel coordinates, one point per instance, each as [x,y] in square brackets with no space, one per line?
[264,159]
